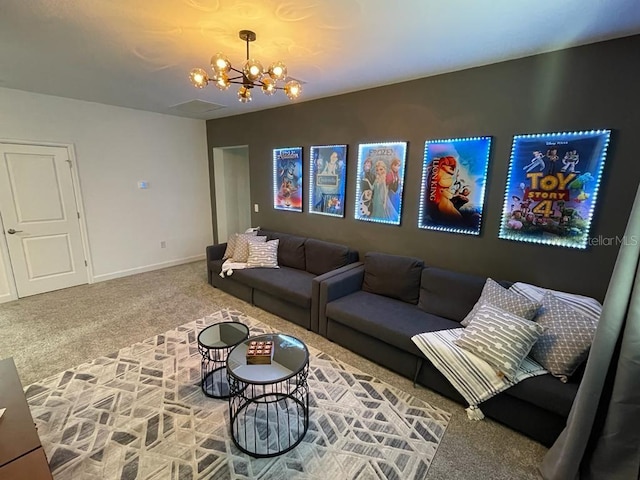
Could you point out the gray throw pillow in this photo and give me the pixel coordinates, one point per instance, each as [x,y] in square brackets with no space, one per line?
[500,338]
[567,338]
[264,255]
[495,294]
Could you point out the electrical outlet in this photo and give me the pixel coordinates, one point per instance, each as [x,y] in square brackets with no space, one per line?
[256,207]
[163,244]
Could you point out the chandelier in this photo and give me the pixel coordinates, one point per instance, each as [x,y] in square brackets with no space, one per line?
[252,75]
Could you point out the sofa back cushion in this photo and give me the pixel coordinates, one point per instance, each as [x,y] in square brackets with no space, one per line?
[393,276]
[322,257]
[290,249]
[450,294]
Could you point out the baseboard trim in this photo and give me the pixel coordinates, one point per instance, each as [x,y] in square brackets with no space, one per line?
[147,268]
[7,297]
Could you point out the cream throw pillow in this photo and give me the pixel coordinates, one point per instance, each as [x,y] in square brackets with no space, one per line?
[231,244]
[241,253]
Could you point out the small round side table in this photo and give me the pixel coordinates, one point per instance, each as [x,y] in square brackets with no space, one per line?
[269,403]
[214,344]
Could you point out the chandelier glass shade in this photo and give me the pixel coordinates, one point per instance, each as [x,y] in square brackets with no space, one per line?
[252,75]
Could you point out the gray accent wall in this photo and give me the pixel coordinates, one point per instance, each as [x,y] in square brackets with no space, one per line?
[583,88]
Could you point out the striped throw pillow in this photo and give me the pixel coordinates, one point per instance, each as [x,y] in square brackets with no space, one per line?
[500,338]
[263,255]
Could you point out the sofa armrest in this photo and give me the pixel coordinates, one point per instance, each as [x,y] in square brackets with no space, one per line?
[315,291]
[337,286]
[214,252]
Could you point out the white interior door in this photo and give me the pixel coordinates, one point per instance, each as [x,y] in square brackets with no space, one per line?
[40,218]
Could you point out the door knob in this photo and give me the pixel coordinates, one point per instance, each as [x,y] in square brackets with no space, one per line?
[11,231]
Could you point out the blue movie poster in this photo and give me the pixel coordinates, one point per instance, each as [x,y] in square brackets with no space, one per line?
[287,179]
[327,174]
[380,182]
[454,176]
[552,187]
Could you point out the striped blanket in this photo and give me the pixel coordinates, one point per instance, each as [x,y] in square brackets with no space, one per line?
[474,378]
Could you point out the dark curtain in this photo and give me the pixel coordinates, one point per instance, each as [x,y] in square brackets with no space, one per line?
[602,438]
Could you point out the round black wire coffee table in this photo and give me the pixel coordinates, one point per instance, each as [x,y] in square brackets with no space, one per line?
[214,344]
[269,403]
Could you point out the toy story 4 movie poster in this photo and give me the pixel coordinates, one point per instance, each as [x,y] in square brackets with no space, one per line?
[287,179]
[327,180]
[454,176]
[552,187]
[380,182]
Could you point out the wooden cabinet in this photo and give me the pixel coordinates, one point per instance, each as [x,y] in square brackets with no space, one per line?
[21,454]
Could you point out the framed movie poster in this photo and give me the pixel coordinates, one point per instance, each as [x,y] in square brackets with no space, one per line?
[552,187]
[380,182]
[287,179]
[454,175]
[327,174]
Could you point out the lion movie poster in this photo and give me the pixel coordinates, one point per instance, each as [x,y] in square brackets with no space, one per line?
[552,187]
[380,182]
[454,176]
[287,179]
[327,174]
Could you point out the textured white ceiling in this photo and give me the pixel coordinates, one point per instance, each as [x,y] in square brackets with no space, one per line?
[137,53]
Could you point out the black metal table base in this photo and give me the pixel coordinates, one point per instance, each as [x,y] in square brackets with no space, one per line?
[269,420]
[214,383]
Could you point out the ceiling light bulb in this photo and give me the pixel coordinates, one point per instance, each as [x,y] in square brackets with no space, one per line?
[222,81]
[244,94]
[198,77]
[278,71]
[268,85]
[293,89]
[220,63]
[252,69]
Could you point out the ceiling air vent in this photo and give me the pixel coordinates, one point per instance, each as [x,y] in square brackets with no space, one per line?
[196,108]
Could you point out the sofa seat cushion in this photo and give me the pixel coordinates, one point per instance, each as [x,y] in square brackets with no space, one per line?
[387,319]
[547,392]
[289,284]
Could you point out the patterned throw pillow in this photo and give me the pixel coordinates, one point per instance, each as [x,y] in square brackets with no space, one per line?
[241,253]
[499,338]
[231,244]
[495,294]
[263,255]
[567,338]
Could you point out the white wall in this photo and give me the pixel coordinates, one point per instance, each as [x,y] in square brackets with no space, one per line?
[115,148]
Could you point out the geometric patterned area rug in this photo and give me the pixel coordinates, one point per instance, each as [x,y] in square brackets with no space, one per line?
[140,414]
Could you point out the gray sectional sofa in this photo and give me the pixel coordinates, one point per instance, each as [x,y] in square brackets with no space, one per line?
[291,291]
[375,308]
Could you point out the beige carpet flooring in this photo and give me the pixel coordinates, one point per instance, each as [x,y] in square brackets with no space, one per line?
[54,331]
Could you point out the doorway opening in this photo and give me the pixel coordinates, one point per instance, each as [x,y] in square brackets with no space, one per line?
[232,191]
